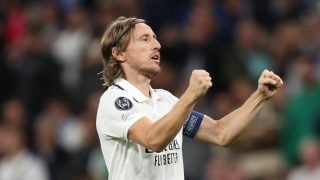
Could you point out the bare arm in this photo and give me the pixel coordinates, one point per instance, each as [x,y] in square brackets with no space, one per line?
[224,131]
[157,135]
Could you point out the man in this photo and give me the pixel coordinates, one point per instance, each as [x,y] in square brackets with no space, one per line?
[17,162]
[140,128]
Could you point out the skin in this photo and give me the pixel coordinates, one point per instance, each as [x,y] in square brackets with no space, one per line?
[139,68]
[136,61]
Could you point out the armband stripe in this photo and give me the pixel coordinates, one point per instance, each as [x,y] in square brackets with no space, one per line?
[192,124]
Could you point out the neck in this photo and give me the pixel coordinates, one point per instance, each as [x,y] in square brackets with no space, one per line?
[142,83]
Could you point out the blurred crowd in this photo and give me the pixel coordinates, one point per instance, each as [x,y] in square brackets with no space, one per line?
[50,83]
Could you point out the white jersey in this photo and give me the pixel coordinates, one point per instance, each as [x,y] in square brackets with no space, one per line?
[120,107]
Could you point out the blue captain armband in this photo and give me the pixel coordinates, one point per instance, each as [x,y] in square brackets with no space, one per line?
[191,126]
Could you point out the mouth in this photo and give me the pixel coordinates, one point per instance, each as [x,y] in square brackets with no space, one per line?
[155,57]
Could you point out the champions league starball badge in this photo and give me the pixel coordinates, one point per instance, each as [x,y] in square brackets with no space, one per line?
[123,103]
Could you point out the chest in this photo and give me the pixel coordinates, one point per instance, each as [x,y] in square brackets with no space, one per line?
[154,110]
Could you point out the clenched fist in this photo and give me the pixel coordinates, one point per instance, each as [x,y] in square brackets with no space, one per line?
[200,82]
[268,84]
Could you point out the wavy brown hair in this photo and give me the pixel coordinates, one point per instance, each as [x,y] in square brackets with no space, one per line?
[117,35]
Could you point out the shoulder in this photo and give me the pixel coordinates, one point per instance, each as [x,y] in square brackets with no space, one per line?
[27,158]
[164,94]
[113,93]
[297,173]
[116,98]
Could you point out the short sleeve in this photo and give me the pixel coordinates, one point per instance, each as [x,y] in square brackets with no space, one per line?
[117,112]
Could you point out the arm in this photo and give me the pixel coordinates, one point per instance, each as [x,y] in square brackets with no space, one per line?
[157,135]
[224,131]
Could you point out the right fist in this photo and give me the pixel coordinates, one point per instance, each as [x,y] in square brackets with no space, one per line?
[200,82]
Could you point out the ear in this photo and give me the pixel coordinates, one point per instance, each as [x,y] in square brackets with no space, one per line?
[119,55]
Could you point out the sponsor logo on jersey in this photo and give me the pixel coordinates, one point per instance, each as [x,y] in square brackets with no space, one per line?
[168,156]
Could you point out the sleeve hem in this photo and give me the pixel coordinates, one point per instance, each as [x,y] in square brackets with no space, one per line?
[130,122]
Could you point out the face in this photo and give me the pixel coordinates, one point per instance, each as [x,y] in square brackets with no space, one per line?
[142,54]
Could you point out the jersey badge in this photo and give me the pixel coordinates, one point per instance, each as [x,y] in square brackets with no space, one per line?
[123,103]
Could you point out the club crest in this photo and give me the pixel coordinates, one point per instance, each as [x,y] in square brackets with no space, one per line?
[123,103]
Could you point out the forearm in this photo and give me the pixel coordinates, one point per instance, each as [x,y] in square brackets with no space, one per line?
[165,129]
[235,123]
[227,129]
[157,135]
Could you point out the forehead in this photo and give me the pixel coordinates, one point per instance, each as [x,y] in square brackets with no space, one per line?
[141,29]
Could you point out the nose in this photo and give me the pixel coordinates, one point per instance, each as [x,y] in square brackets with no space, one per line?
[157,44]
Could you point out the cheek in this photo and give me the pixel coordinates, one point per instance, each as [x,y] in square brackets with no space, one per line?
[138,55]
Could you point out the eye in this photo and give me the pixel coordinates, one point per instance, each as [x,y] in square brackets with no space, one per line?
[145,38]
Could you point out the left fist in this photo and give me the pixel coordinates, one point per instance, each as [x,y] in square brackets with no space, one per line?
[268,84]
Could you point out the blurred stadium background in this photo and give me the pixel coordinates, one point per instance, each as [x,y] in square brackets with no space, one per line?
[50,58]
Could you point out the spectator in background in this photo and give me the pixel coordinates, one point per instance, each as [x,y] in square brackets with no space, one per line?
[244,57]
[248,56]
[283,45]
[47,147]
[309,155]
[87,159]
[7,77]
[48,15]
[68,48]
[14,112]
[15,21]
[198,34]
[96,166]
[224,168]
[310,25]
[69,130]
[286,9]
[88,77]
[228,13]
[37,73]
[66,141]
[299,116]
[199,43]
[17,162]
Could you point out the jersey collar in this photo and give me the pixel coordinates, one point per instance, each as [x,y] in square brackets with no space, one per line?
[134,92]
